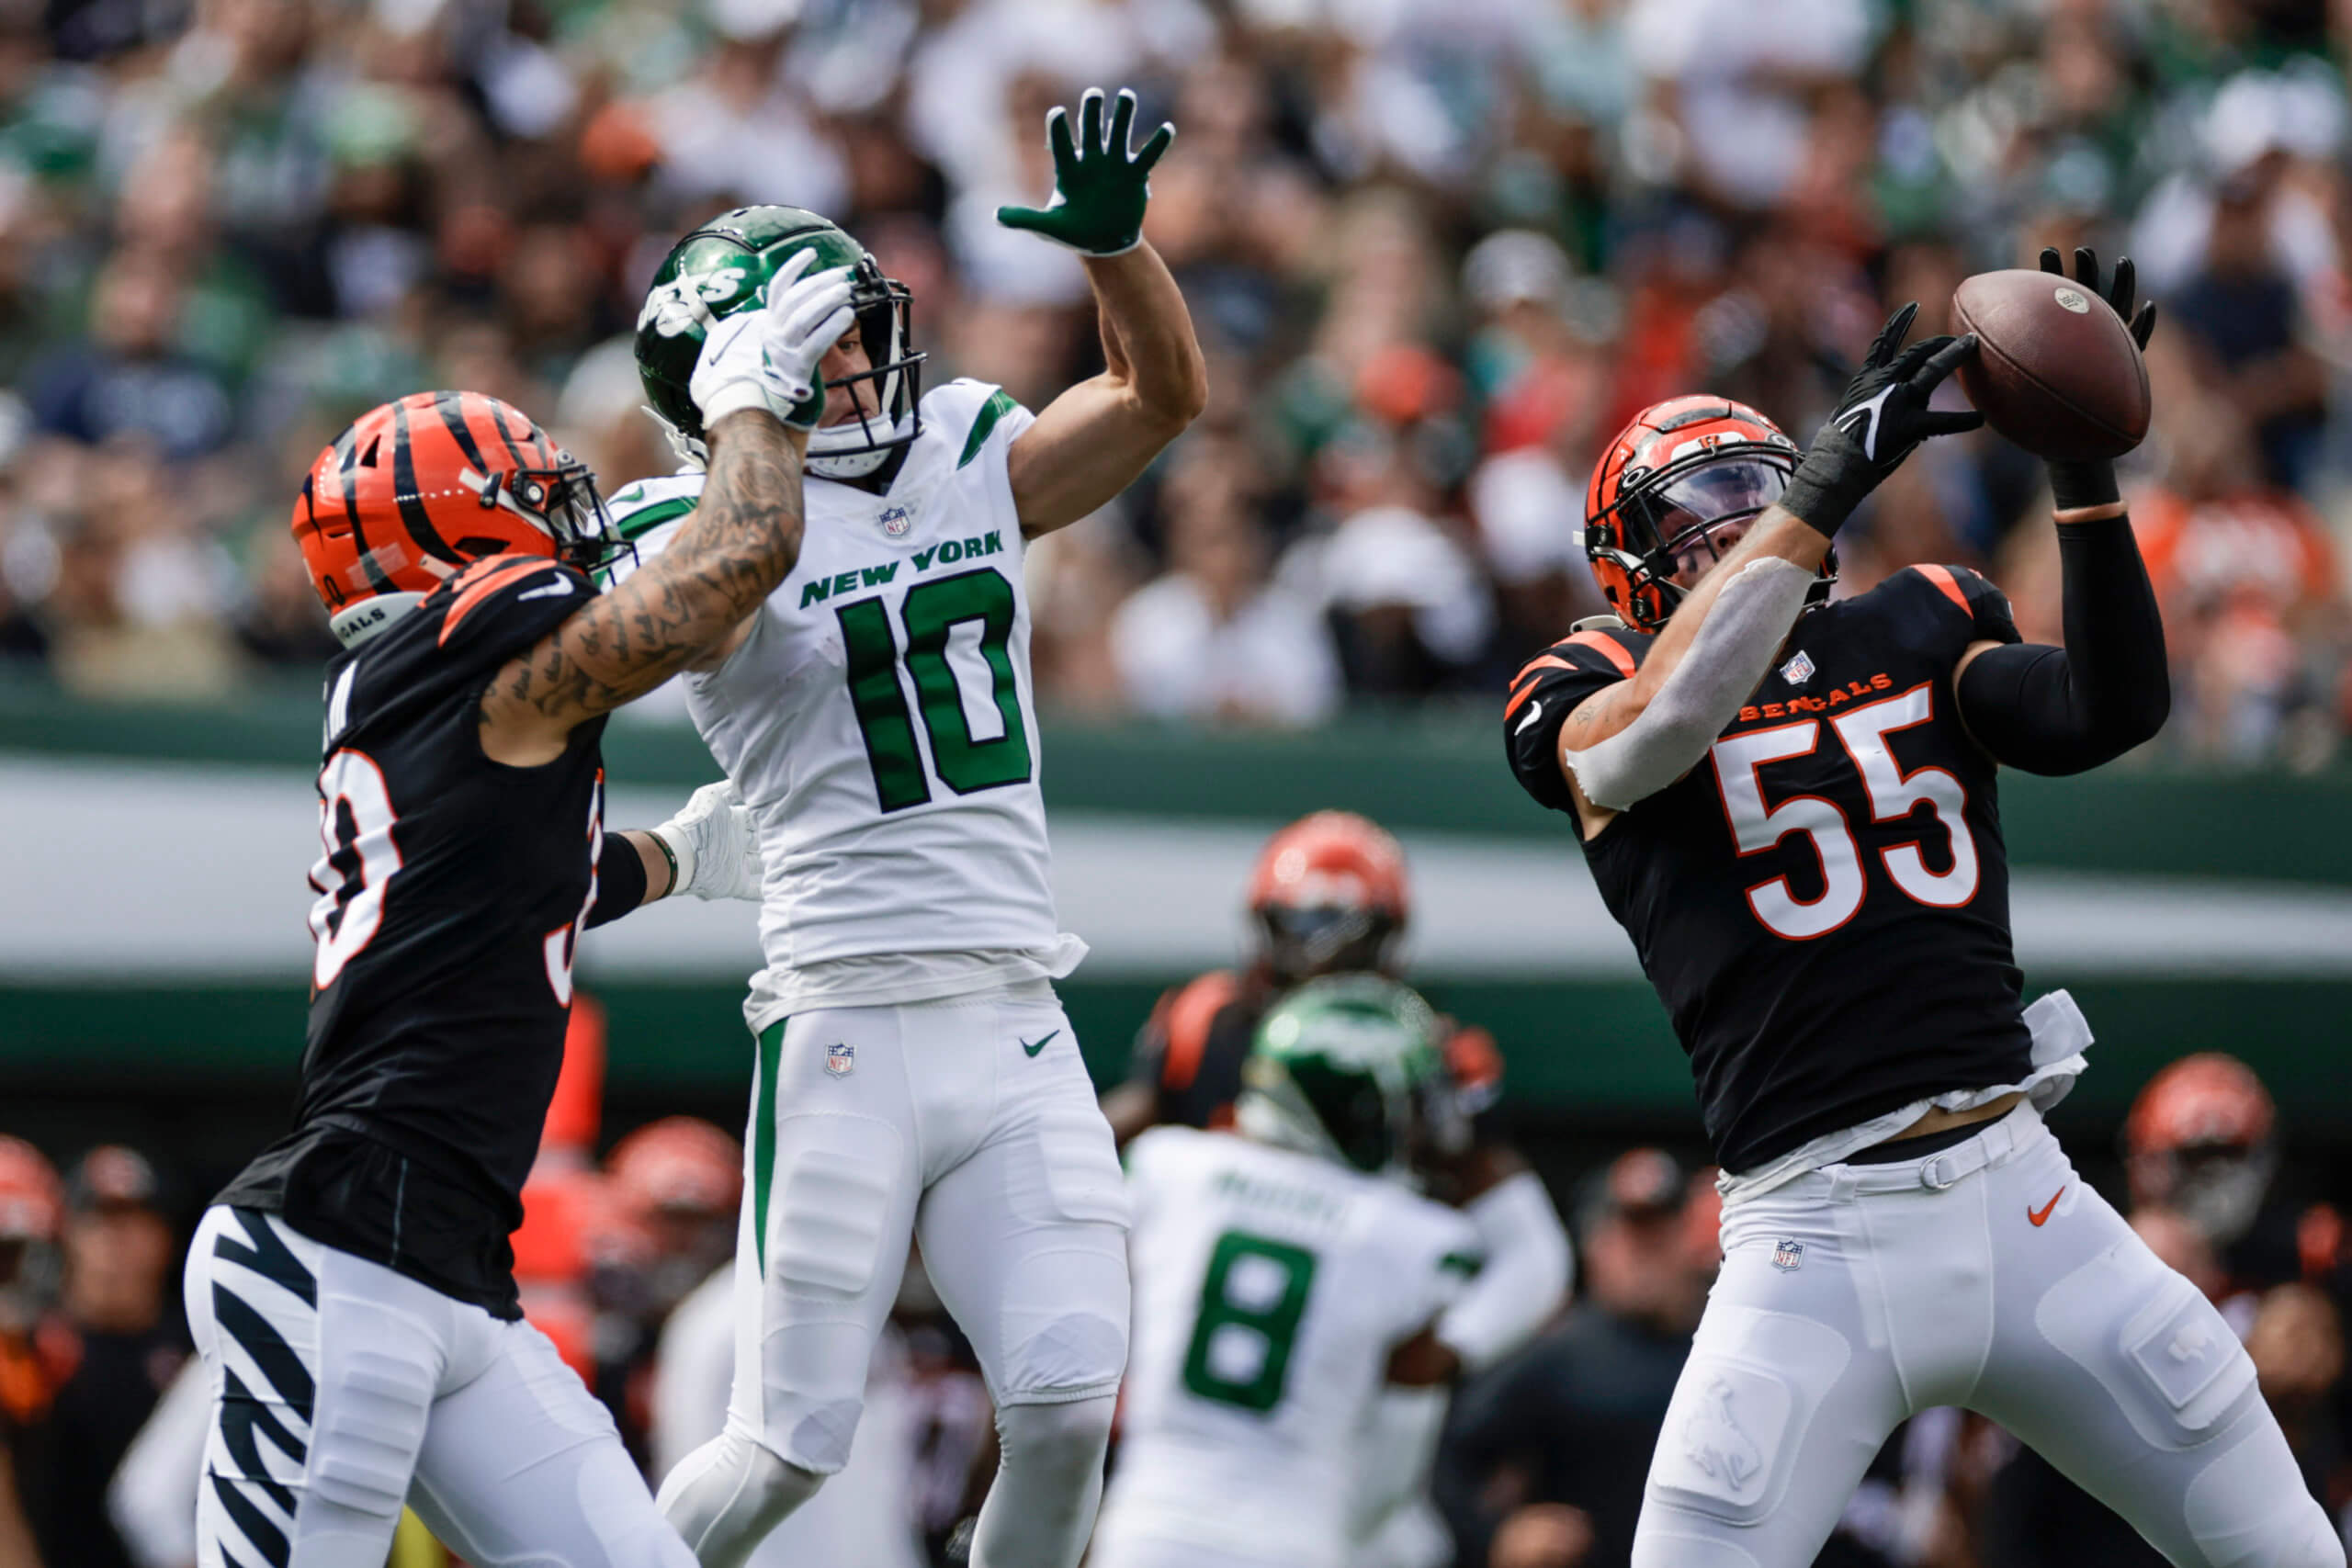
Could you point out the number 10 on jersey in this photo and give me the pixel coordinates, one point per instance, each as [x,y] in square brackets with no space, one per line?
[931,612]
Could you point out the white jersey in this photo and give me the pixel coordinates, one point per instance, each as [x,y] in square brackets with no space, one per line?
[1270,1289]
[879,722]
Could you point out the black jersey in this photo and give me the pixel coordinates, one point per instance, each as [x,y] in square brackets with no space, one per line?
[1823,903]
[450,893]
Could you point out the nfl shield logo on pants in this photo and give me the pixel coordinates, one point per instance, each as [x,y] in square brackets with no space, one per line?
[1788,1256]
[839,1059]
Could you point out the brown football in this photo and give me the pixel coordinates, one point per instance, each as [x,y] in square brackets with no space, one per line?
[2055,369]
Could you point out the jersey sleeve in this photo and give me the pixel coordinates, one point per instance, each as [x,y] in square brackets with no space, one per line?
[983,420]
[500,605]
[1962,599]
[1551,686]
[648,514]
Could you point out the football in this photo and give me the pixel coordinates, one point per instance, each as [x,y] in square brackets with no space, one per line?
[2055,368]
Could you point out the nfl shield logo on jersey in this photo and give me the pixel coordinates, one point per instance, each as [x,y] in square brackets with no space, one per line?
[1797,671]
[839,1059]
[1788,1256]
[895,522]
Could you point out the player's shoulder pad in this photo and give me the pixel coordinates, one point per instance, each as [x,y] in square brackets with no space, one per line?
[970,415]
[501,603]
[643,505]
[1549,687]
[1961,595]
[1190,1011]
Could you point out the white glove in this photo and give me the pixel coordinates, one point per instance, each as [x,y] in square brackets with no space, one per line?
[716,844]
[766,358]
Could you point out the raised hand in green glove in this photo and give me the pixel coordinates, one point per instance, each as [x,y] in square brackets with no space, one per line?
[1100,185]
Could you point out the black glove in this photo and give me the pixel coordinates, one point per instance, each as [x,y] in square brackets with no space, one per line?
[2093,483]
[1883,414]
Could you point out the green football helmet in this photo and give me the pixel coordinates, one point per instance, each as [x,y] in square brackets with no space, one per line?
[1337,1068]
[724,266]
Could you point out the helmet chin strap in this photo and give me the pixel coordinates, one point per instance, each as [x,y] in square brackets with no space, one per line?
[690,453]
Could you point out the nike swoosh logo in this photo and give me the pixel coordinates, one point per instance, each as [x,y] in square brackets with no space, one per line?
[556,590]
[2039,1216]
[1864,416]
[1535,712]
[1032,1050]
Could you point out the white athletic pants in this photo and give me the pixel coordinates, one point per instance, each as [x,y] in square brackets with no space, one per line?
[968,1123]
[1990,1277]
[341,1390]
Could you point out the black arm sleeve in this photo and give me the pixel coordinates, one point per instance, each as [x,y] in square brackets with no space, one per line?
[620,881]
[2051,710]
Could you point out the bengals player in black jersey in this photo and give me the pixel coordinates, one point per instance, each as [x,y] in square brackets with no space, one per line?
[1329,895]
[353,1292]
[1790,802]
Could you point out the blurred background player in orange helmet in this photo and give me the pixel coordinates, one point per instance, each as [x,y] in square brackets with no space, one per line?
[2199,1142]
[672,1189]
[1329,896]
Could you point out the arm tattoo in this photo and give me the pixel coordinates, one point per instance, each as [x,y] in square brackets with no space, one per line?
[743,540]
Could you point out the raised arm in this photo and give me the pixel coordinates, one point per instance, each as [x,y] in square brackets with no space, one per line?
[2062,710]
[756,386]
[1095,440]
[1631,739]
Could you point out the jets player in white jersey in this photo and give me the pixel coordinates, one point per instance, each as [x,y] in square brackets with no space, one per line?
[1283,1280]
[915,1073]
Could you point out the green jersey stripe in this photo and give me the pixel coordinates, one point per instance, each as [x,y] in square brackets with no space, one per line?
[645,519]
[1000,403]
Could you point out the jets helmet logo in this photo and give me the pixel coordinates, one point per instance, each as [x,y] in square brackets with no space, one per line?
[685,303]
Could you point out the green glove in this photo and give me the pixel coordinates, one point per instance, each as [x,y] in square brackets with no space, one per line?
[1098,193]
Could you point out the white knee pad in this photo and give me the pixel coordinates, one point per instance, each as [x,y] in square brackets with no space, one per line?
[2248,1508]
[1663,1548]
[727,1494]
[1741,1410]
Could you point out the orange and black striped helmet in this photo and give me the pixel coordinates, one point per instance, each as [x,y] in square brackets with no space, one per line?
[1329,896]
[416,489]
[1681,470]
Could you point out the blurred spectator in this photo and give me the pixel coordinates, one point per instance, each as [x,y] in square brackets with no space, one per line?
[122,1301]
[1545,1458]
[1437,250]
[1215,638]
[128,377]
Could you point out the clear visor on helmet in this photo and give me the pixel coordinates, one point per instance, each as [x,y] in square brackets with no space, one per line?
[1689,517]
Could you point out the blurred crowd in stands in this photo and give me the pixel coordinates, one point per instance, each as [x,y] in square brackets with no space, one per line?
[1437,249]
[625,1263]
